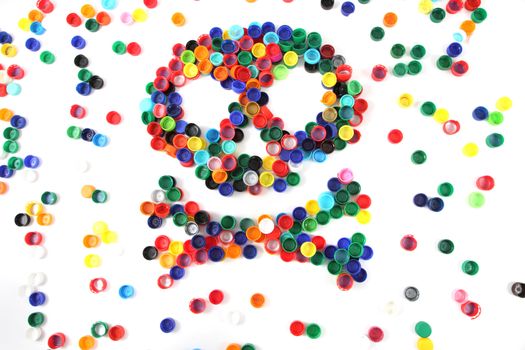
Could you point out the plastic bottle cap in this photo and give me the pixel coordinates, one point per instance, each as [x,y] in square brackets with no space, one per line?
[409,243]
[425,344]
[116,333]
[216,297]
[419,157]
[460,296]
[470,150]
[405,100]
[297,328]
[395,136]
[34,334]
[197,305]
[47,57]
[377,33]
[411,293]
[56,341]
[389,19]
[470,267]
[257,300]
[87,342]
[178,19]
[313,331]
[423,329]
[92,260]
[445,189]
[167,325]
[375,334]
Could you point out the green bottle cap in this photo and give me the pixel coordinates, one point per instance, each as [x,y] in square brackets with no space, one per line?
[342,196]
[248,347]
[495,140]
[317,259]
[314,40]
[444,62]
[418,52]
[187,56]
[216,44]
[228,222]
[355,250]
[99,329]
[437,15]
[341,256]
[339,144]
[15,163]
[354,188]
[428,108]
[174,194]
[354,87]
[167,123]
[74,132]
[47,57]
[293,179]
[309,224]
[377,33]
[313,331]
[478,15]
[358,237]
[180,219]
[299,35]
[351,208]
[119,47]
[322,217]
[419,157]
[166,182]
[476,200]
[445,189]
[49,198]
[414,67]
[423,329]
[309,127]
[265,135]
[289,244]
[202,172]
[214,149]
[244,58]
[334,268]
[84,74]
[149,88]
[11,133]
[495,118]
[147,117]
[446,246]
[92,25]
[336,212]
[246,223]
[234,106]
[325,66]
[99,196]
[470,267]
[36,319]
[364,1]
[300,48]
[296,228]
[400,70]
[244,160]
[276,133]
[285,46]
[11,146]
[237,173]
[397,50]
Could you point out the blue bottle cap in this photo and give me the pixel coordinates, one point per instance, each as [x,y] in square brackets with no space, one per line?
[100,140]
[216,32]
[302,237]
[285,155]
[37,28]
[227,84]
[18,122]
[167,325]
[238,86]
[184,155]
[284,32]
[83,88]
[329,251]
[176,208]
[33,44]
[270,38]
[174,98]
[280,185]
[240,238]
[177,272]
[343,243]
[32,162]
[78,42]
[249,251]
[360,276]
[37,299]
[180,126]
[216,254]
[326,201]
[109,4]
[5,38]
[228,46]
[253,94]
[268,27]
[172,110]
[347,8]
[213,228]
[435,204]
[198,242]
[154,222]
[255,31]
[5,172]
[236,32]
[216,59]
[454,49]
[296,156]
[236,117]
[319,156]
[158,97]
[201,157]
[126,291]
[334,184]
[480,113]
[368,253]
[299,213]
[353,267]
[226,189]
[312,56]
[300,135]
[420,200]
[146,105]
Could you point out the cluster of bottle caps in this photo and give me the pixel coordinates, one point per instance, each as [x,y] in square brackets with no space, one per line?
[289,235]
[9,78]
[246,60]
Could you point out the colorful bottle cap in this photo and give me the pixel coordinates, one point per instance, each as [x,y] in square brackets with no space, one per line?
[454,49]
[126,291]
[405,100]
[409,243]
[167,325]
[313,331]
[460,296]
[47,57]
[375,334]
[116,333]
[297,328]
[197,306]
[411,293]
[494,140]
[470,150]
[425,344]
[257,300]
[347,8]
[478,15]
[445,189]
[446,246]
[518,289]
[37,299]
[56,341]
[377,33]
[423,329]
[418,52]
[397,50]
[471,309]
[503,103]
[344,281]
[485,183]
[216,297]
[419,157]
[437,15]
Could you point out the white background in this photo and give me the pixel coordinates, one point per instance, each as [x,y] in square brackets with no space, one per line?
[128,169]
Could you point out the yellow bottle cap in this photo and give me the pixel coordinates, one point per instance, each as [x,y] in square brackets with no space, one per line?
[470,149]
[504,104]
[329,79]
[88,11]
[346,132]
[363,217]
[87,191]
[441,115]
[34,208]
[268,162]
[405,100]
[190,70]
[109,237]
[308,249]
[194,144]
[425,6]
[258,50]
[176,247]
[252,109]
[92,261]
[139,15]
[425,344]
[167,260]
[9,50]
[24,24]
[290,59]
[312,207]
[100,227]
[6,114]
[266,179]
[225,35]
